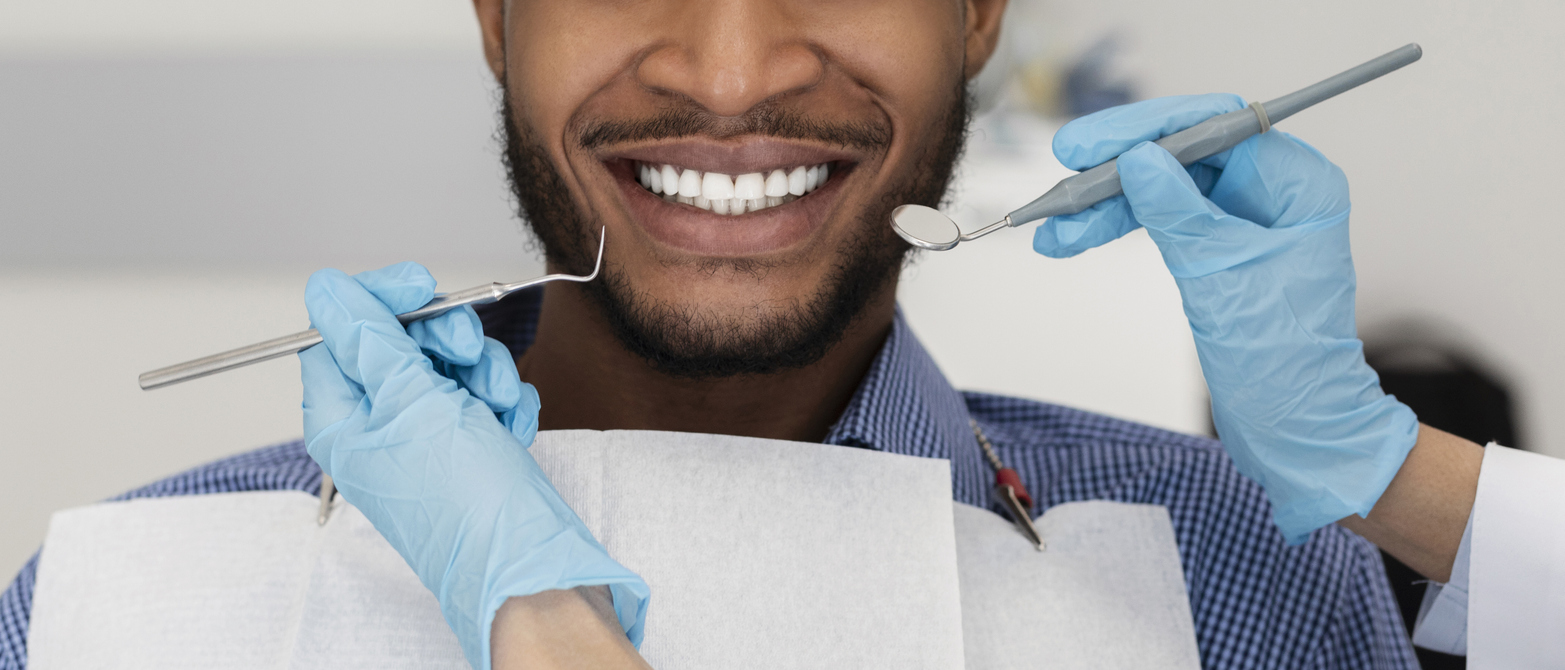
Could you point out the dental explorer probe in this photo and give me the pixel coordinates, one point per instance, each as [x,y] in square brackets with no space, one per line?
[297,342]
[927,228]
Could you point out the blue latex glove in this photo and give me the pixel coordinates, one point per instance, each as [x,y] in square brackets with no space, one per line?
[1257,240]
[425,430]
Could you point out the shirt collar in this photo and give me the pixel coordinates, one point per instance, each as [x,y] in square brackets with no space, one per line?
[904,405]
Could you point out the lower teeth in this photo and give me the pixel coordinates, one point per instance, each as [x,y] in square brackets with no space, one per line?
[732,206]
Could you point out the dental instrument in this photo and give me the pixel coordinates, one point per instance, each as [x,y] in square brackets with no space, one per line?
[927,228]
[297,342]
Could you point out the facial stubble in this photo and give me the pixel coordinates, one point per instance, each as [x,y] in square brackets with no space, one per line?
[693,343]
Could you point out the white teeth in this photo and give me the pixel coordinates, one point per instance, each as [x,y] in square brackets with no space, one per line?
[776,184]
[749,186]
[717,186]
[796,183]
[728,195]
[670,180]
[689,184]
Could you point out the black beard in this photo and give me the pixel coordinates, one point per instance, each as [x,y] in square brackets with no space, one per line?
[692,344]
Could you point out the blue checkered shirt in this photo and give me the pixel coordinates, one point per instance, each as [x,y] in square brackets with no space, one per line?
[1257,603]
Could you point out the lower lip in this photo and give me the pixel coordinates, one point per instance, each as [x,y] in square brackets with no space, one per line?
[698,231]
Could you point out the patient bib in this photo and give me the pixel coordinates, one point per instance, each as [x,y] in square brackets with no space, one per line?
[759,553]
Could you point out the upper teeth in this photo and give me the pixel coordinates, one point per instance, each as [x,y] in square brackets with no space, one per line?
[727,194]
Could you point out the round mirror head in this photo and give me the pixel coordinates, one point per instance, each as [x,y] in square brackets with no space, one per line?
[925,228]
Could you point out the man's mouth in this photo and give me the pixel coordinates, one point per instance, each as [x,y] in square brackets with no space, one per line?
[731,195]
[732,199]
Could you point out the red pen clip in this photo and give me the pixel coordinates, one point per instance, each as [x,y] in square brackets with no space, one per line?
[1008,487]
[1008,477]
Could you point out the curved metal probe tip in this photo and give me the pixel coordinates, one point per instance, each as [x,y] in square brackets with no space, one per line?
[596,267]
[603,234]
[927,228]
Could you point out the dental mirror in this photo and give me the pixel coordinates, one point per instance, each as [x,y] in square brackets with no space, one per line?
[925,228]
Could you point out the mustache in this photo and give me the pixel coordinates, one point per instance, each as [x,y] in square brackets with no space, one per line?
[767,119]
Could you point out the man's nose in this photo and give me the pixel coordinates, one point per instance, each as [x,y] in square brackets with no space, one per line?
[729,55]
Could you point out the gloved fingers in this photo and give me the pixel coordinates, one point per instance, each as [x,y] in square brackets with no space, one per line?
[456,336]
[1205,176]
[403,287]
[329,396]
[492,378]
[522,420]
[1276,180]
[501,383]
[1094,139]
[1071,234]
[367,341]
[494,381]
[1161,194]
[1195,236]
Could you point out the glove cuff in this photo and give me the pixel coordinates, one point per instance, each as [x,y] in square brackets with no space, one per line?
[590,565]
[1360,459]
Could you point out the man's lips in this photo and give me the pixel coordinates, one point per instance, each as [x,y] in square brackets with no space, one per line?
[691,225]
[730,199]
[731,194]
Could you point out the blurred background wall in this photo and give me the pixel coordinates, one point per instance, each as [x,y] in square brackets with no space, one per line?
[172,170]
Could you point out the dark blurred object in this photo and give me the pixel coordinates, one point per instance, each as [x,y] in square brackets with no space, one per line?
[1449,391]
[1089,84]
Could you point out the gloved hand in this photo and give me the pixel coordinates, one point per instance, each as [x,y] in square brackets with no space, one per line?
[425,430]
[1257,240]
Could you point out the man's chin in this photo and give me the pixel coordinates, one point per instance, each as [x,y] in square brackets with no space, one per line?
[717,338]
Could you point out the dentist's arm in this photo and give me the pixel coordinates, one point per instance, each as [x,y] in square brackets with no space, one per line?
[425,430]
[1420,517]
[1257,240]
[563,630]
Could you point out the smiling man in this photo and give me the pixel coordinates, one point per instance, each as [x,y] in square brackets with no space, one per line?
[743,156]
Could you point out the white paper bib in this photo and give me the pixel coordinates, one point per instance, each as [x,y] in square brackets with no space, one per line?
[759,553]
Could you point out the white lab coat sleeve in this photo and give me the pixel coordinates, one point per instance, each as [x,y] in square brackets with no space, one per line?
[1516,568]
[1442,618]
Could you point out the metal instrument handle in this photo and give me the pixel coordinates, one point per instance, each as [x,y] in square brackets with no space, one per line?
[1212,136]
[297,342]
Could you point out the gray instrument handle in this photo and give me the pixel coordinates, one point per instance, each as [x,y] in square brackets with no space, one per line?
[1213,136]
[297,342]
